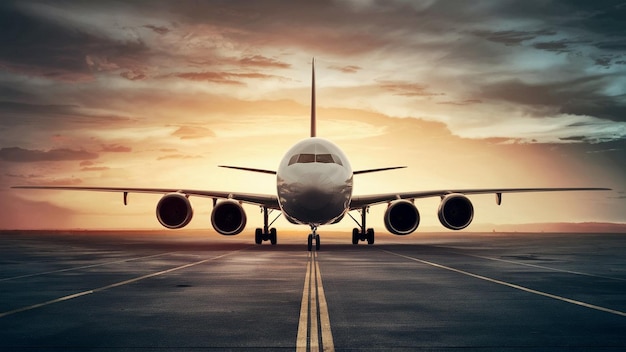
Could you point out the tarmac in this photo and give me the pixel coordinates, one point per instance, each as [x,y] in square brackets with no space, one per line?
[193,291]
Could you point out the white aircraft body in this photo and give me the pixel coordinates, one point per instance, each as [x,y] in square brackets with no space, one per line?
[314,187]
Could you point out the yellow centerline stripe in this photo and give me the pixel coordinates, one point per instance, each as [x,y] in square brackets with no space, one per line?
[314,339]
[518,287]
[314,318]
[303,324]
[327,335]
[117,284]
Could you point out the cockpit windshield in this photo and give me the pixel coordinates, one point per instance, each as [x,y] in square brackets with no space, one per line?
[315,158]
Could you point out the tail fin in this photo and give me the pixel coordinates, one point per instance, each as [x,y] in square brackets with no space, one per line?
[313,122]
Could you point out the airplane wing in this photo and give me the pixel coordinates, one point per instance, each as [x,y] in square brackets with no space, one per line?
[359,202]
[269,201]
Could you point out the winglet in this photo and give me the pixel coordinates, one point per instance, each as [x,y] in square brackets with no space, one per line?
[313,123]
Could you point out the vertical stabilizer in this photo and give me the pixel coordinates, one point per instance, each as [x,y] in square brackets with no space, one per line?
[313,122]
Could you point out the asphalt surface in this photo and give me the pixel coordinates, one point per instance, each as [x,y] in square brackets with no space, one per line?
[178,291]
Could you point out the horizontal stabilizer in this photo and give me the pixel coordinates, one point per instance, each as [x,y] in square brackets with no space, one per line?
[248,169]
[376,170]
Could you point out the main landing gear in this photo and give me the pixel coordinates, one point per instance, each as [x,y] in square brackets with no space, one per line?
[362,234]
[313,236]
[266,233]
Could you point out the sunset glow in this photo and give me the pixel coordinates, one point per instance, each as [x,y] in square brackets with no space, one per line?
[157,94]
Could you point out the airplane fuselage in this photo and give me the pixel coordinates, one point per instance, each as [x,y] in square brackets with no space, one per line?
[314,183]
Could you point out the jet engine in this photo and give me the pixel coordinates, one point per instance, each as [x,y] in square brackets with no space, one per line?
[228,218]
[401,217]
[174,211]
[455,211]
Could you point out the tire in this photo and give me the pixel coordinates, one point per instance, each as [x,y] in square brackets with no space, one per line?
[355,236]
[258,236]
[273,236]
[370,236]
[310,243]
[317,242]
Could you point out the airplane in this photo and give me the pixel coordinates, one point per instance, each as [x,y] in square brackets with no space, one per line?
[314,182]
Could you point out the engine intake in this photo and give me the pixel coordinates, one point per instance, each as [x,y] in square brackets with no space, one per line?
[455,211]
[401,217]
[174,211]
[228,218]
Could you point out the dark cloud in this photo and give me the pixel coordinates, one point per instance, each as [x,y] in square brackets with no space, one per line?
[157,29]
[40,47]
[558,46]
[512,37]
[19,155]
[581,96]
[36,109]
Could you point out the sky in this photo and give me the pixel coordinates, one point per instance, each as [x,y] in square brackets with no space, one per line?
[467,94]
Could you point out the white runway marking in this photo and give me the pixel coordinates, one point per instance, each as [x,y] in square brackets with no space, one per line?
[84,267]
[314,333]
[541,266]
[518,287]
[117,284]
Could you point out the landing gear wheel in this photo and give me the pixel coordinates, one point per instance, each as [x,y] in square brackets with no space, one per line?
[370,236]
[355,236]
[310,243]
[258,236]
[317,242]
[273,236]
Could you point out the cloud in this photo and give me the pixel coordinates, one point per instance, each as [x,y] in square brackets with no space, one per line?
[115,148]
[461,102]
[346,69]
[512,37]
[262,61]
[193,132]
[179,156]
[408,89]
[578,96]
[19,155]
[231,78]
[158,29]
[42,47]
[95,168]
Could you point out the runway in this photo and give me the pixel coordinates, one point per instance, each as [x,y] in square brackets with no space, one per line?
[186,291]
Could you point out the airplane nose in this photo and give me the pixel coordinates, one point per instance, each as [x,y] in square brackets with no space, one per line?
[314,194]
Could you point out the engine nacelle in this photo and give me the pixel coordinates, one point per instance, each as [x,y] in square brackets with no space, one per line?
[228,218]
[401,217]
[174,211]
[455,211]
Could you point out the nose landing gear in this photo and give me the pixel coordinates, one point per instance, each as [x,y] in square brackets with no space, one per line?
[313,236]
